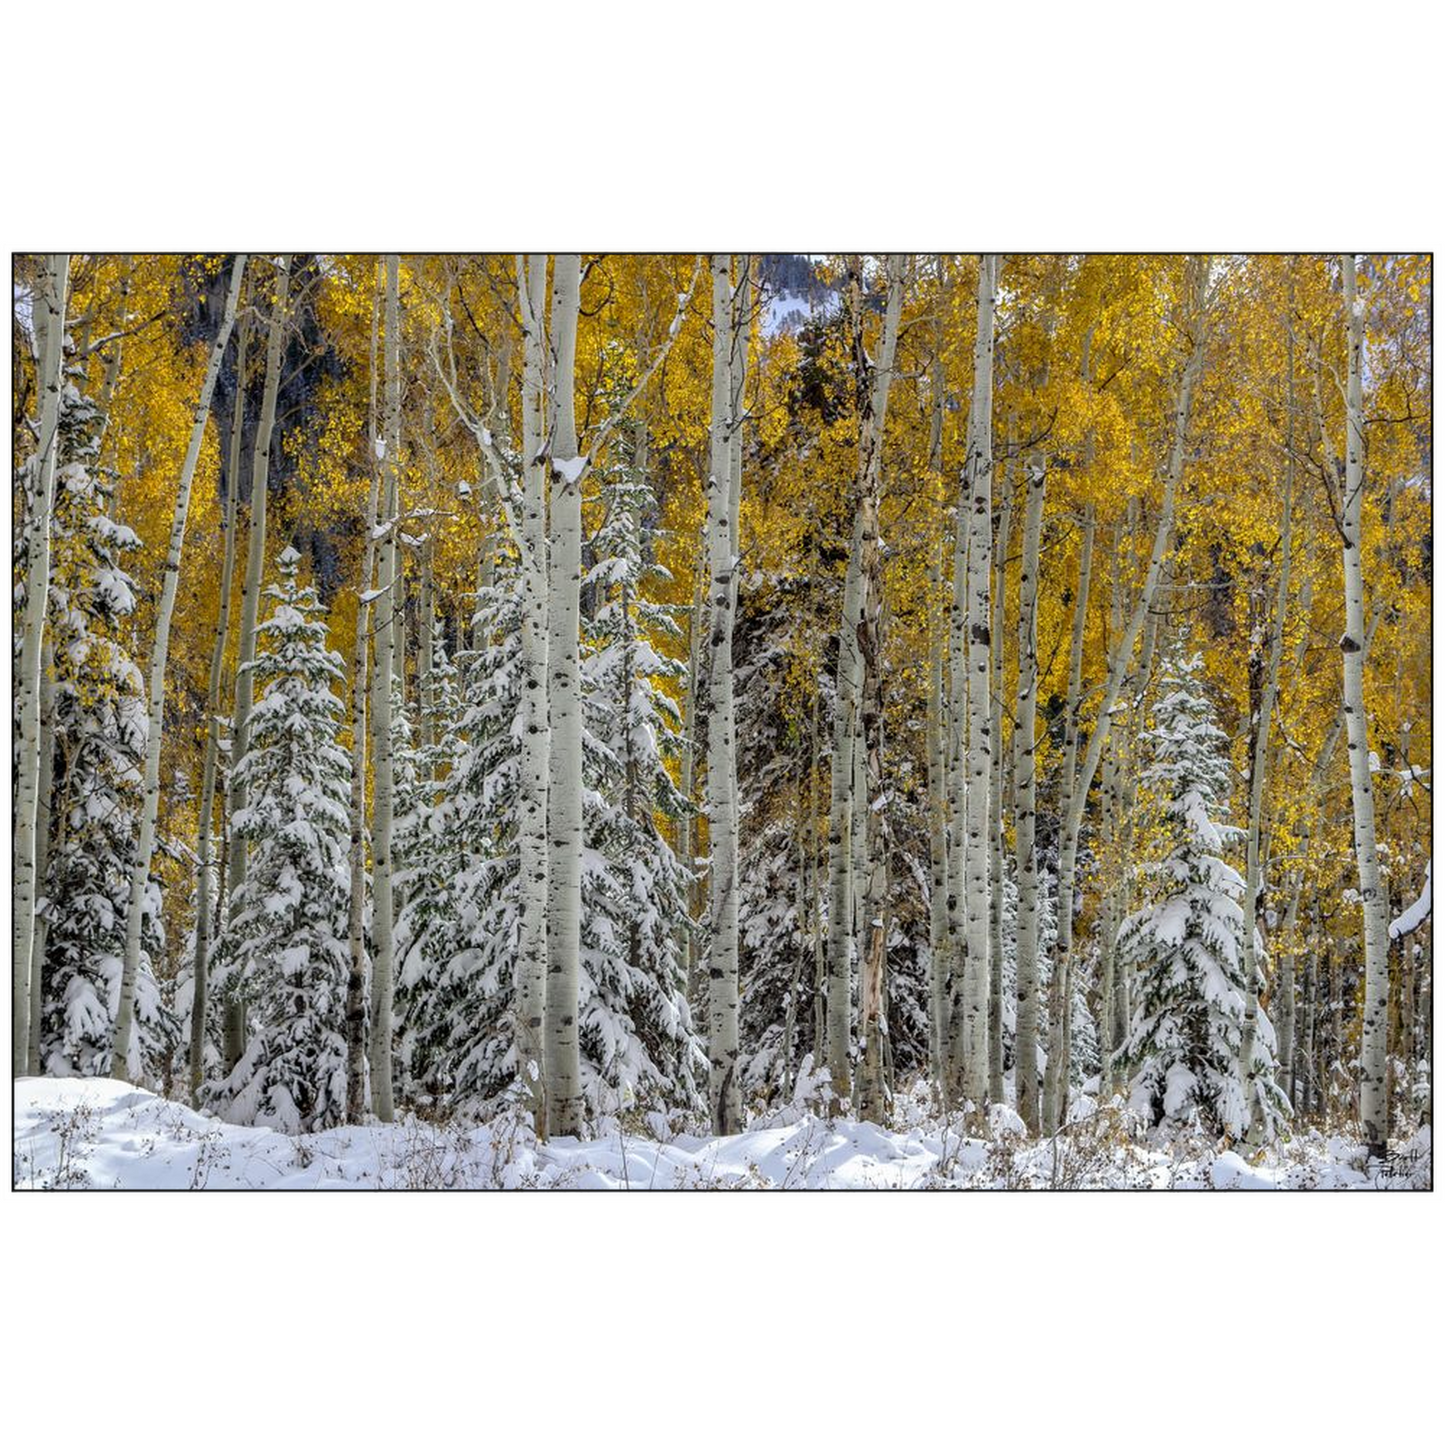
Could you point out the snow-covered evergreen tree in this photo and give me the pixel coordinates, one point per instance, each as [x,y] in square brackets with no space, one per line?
[636,1024]
[289,923]
[775,946]
[1186,942]
[100,735]
[459,942]
[428,852]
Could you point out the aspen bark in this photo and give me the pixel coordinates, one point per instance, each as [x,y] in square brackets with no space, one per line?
[1026,1028]
[995,809]
[529,1018]
[1067,785]
[1374,1094]
[156,683]
[937,842]
[979,491]
[815,892]
[44,822]
[49,323]
[357,1091]
[724,1092]
[564,790]
[840,829]
[938,777]
[687,769]
[1110,782]
[382,902]
[955,785]
[201,964]
[235,1010]
[1249,1065]
[873,382]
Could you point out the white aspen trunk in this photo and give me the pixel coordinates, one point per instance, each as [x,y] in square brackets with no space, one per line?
[1067,779]
[1123,991]
[800,946]
[937,841]
[1374,1092]
[156,683]
[201,964]
[938,778]
[49,323]
[235,1010]
[529,1017]
[815,892]
[112,379]
[840,831]
[687,769]
[1109,786]
[356,980]
[860,867]
[979,488]
[382,902]
[1026,1031]
[1249,1066]
[737,381]
[426,628]
[873,383]
[1055,1074]
[995,814]
[44,821]
[955,786]
[564,792]
[724,1092]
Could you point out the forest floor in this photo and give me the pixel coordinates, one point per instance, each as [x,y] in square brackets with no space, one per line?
[102,1134]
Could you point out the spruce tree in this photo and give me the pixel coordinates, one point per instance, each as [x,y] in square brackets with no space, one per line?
[637,1027]
[289,917]
[1186,942]
[428,852]
[456,981]
[100,736]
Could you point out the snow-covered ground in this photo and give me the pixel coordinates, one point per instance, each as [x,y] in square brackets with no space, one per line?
[100,1134]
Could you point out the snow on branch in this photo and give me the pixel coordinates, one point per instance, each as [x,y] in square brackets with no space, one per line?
[1415,914]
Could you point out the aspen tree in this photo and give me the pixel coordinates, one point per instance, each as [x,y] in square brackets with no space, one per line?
[564,785]
[235,1012]
[937,841]
[530,534]
[160,653]
[1026,1029]
[201,964]
[1110,786]
[872,380]
[978,489]
[687,765]
[995,805]
[382,902]
[1249,1063]
[44,820]
[938,774]
[356,979]
[954,737]
[724,1091]
[1374,1091]
[1069,763]
[49,323]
